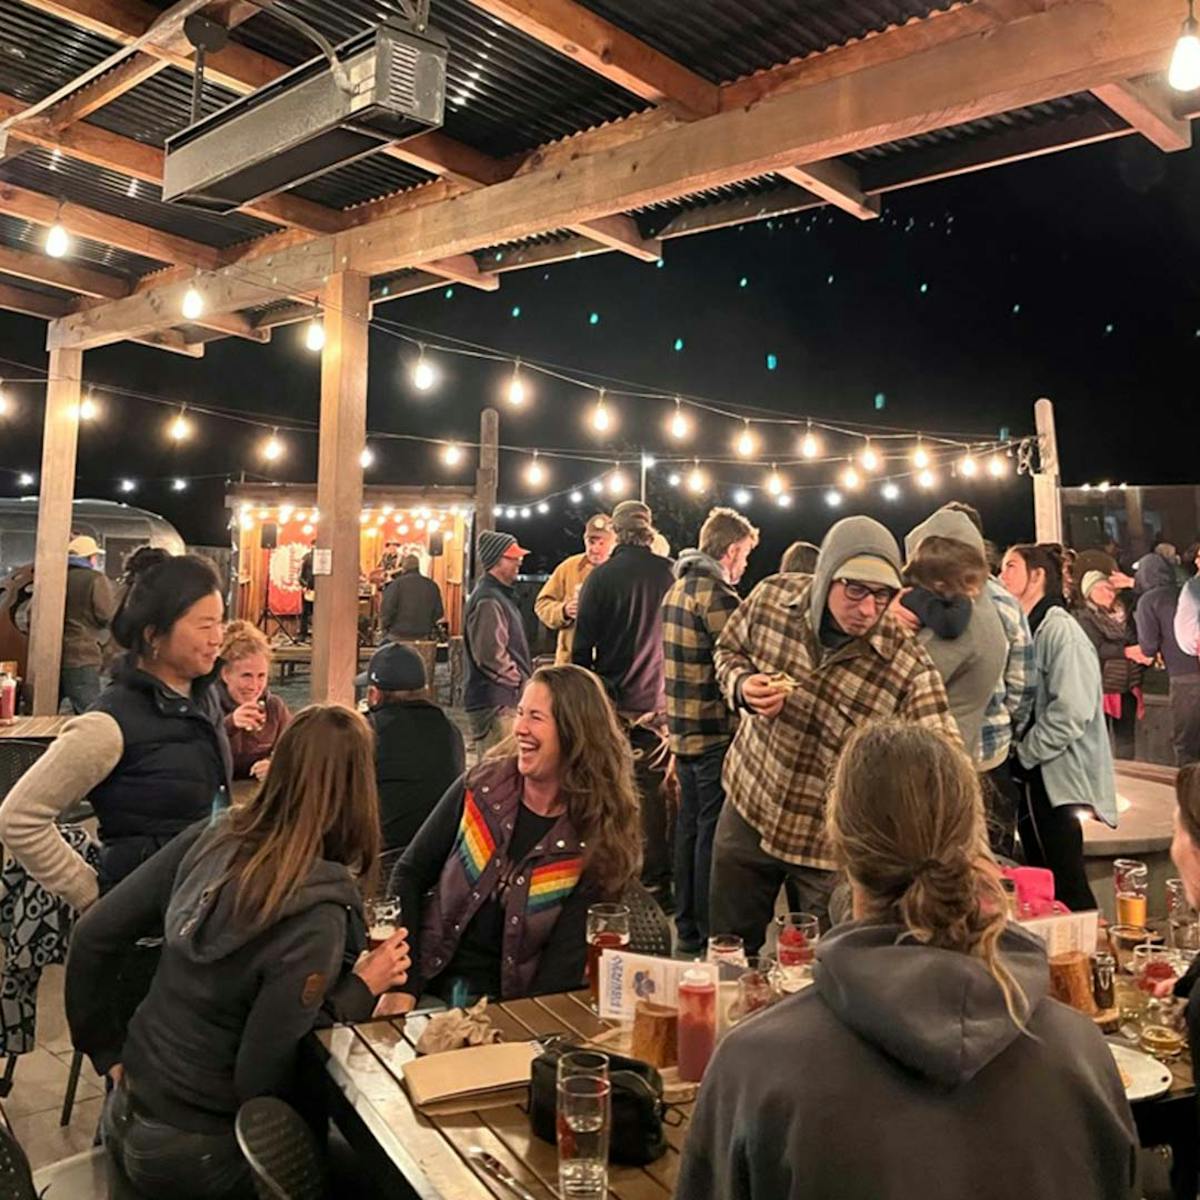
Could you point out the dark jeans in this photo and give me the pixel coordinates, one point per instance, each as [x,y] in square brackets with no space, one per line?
[165,1163]
[1185,719]
[746,882]
[306,612]
[1002,797]
[701,797]
[1122,731]
[80,687]
[651,757]
[1053,837]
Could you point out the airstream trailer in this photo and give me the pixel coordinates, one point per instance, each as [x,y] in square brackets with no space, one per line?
[118,528]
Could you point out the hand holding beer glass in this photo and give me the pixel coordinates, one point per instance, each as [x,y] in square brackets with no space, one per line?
[384,964]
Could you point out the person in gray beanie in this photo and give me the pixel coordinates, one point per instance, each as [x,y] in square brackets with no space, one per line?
[498,659]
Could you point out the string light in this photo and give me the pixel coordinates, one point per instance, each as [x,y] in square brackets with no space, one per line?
[697,481]
[926,479]
[649,462]
[673,479]
[967,466]
[179,485]
[179,430]
[810,447]
[741,497]
[452,455]
[576,497]
[193,304]
[3,400]
[525,514]
[601,419]
[58,241]
[366,459]
[851,479]
[920,457]
[833,499]
[784,501]
[26,480]
[89,410]
[997,467]
[543,508]
[285,513]
[775,484]
[516,387]
[424,374]
[314,336]
[618,483]
[869,459]
[1184,72]
[535,473]
[307,530]
[745,444]
[679,425]
[272,449]
[890,491]
[127,486]
[597,487]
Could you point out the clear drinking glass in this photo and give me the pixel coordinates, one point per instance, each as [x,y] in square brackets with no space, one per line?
[726,948]
[582,1063]
[1153,965]
[583,1127]
[1131,881]
[607,929]
[1180,913]
[796,948]
[382,915]
[1122,941]
[757,987]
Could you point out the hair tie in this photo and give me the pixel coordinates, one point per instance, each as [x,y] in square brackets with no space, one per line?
[930,864]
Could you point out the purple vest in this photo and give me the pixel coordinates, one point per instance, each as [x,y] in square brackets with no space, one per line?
[543,880]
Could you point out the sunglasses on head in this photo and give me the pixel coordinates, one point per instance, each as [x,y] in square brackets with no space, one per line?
[856,593]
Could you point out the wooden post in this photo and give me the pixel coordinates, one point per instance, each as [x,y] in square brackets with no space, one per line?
[1047,506]
[487,477]
[56,495]
[347,300]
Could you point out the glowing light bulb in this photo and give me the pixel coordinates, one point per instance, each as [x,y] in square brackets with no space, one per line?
[869,459]
[833,499]
[810,447]
[193,304]
[784,501]
[1184,72]
[543,508]
[576,497]
[744,446]
[696,480]
[775,482]
[850,479]
[89,410]
[127,486]
[601,418]
[285,514]
[179,485]
[58,241]
[424,374]
[26,480]
[597,487]
[516,388]
[272,449]
[180,429]
[535,473]
[920,457]
[741,497]
[307,530]
[314,336]
[618,483]
[997,466]
[968,467]
[649,462]
[890,491]
[679,425]
[366,458]
[3,400]
[452,455]
[525,514]
[926,479]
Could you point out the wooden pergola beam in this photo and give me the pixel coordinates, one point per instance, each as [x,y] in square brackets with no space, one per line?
[608,51]
[836,184]
[1146,105]
[60,273]
[462,268]
[621,233]
[32,304]
[121,79]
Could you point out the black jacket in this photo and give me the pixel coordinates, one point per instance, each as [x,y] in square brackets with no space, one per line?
[229,1004]
[176,767]
[618,633]
[418,755]
[1158,597]
[412,606]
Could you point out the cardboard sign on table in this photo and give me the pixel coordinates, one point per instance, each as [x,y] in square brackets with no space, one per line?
[626,978]
[1064,932]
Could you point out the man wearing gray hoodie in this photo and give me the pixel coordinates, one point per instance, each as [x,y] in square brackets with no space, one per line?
[809,659]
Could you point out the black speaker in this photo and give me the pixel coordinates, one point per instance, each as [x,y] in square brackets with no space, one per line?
[269,535]
[437,544]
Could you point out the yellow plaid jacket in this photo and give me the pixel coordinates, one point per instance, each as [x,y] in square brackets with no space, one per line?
[778,770]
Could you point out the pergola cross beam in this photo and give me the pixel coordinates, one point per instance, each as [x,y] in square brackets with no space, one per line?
[1145,104]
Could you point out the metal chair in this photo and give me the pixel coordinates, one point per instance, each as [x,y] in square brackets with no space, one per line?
[281,1151]
[16,757]
[649,929]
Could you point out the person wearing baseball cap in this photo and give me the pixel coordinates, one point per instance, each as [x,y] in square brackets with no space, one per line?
[498,658]
[91,606]
[557,604]
[418,749]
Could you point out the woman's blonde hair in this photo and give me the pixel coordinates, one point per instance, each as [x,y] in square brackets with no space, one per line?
[595,777]
[906,820]
[243,639]
[318,801]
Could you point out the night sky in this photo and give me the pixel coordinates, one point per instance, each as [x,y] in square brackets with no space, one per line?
[1071,276]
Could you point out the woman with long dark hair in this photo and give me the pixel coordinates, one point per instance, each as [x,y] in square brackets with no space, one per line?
[928,1048]
[500,877]
[1064,753]
[261,908]
[151,755]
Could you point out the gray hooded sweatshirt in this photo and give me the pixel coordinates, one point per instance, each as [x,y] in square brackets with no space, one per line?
[230,1002]
[972,664]
[906,1079]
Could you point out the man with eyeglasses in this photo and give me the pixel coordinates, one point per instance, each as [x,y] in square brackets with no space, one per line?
[809,658]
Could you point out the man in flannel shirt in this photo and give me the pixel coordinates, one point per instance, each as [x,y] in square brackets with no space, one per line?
[809,659]
[701,724]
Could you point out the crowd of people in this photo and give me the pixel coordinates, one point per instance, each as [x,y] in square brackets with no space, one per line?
[896,723]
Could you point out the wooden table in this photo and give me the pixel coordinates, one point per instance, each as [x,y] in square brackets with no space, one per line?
[34,729]
[363,1062]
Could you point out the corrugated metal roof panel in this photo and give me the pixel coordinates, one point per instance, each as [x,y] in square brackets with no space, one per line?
[24,235]
[33,285]
[507,93]
[359,182]
[726,39]
[39,53]
[106,191]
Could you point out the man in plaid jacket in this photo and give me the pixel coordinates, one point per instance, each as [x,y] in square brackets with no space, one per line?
[809,658]
[701,723]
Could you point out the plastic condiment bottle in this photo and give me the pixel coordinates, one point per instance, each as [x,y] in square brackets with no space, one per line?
[697,1024]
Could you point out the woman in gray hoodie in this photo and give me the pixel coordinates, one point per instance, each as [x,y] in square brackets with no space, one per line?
[927,1061]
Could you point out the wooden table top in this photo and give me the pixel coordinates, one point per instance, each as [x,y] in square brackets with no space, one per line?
[34,729]
[364,1062]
